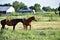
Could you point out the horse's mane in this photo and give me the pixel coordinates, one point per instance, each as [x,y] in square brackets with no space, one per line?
[30,18]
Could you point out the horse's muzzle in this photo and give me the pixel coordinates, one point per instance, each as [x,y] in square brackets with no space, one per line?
[35,20]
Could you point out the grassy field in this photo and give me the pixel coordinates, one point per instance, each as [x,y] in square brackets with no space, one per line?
[46,28]
[46,34]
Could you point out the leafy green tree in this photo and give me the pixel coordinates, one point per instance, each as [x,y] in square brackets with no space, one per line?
[46,8]
[59,10]
[31,7]
[22,6]
[7,4]
[37,7]
[53,9]
[18,5]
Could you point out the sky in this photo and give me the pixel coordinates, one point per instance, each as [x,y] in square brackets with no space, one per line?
[51,3]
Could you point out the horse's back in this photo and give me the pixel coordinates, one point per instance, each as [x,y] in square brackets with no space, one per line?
[9,22]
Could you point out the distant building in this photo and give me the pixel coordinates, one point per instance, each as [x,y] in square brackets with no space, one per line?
[26,10]
[6,9]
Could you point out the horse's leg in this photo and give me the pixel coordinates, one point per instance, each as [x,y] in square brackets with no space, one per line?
[3,26]
[25,27]
[13,27]
[30,27]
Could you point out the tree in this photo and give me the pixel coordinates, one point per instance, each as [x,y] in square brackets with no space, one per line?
[8,4]
[37,7]
[46,8]
[18,5]
[59,10]
[55,10]
[31,7]
[22,5]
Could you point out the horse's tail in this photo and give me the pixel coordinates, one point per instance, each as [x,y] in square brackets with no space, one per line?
[0,21]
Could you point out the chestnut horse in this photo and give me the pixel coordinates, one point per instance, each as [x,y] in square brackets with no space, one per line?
[13,22]
[27,22]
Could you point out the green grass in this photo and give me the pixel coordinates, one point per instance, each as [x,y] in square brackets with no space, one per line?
[34,34]
[30,35]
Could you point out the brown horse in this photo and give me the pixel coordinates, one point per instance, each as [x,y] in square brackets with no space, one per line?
[27,22]
[10,22]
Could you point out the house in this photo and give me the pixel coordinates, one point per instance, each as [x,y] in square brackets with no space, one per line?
[26,10]
[6,9]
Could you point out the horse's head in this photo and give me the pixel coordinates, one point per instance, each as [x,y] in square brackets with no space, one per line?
[33,18]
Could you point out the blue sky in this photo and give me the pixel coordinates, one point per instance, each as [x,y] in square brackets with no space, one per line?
[51,3]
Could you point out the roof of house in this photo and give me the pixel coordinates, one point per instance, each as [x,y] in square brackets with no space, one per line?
[25,10]
[4,8]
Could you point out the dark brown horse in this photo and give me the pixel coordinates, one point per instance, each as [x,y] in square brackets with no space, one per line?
[10,22]
[27,22]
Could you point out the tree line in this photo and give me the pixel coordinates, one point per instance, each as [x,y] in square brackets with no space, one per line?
[37,7]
